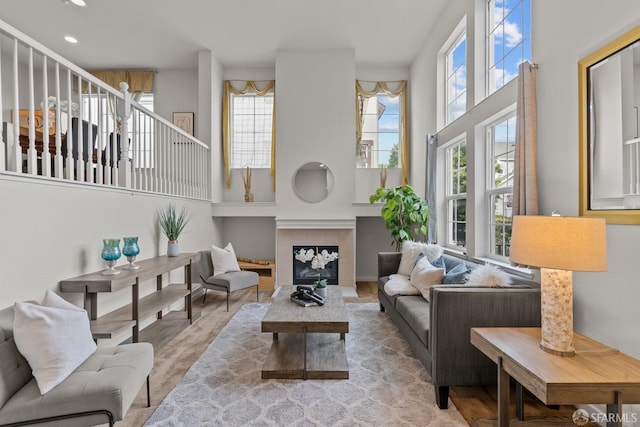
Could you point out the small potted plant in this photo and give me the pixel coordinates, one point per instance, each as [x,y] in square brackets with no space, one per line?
[321,287]
[172,224]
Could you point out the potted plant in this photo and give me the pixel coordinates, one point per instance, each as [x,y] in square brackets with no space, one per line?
[403,212]
[172,224]
[321,287]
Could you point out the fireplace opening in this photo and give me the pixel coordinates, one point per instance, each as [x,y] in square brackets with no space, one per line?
[311,263]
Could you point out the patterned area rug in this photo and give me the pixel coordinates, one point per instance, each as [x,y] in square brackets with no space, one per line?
[387,386]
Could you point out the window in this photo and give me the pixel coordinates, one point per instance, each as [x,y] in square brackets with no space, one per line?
[501,138]
[456,79]
[508,40]
[380,143]
[456,194]
[381,125]
[251,125]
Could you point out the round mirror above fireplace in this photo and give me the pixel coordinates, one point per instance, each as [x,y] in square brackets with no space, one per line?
[313,182]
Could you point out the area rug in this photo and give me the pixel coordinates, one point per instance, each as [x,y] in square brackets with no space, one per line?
[527,422]
[387,386]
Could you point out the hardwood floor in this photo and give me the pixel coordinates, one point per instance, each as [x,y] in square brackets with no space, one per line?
[174,358]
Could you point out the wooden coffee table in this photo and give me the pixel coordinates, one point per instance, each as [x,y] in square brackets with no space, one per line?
[304,345]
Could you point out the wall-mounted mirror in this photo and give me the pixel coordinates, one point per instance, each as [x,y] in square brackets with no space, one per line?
[609,102]
[313,182]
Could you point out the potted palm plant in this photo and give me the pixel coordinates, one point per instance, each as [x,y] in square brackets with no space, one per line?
[172,224]
[403,212]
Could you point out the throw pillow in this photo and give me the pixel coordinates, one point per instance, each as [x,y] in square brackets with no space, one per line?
[224,259]
[456,275]
[54,338]
[488,275]
[410,252]
[399,285]
[424,276]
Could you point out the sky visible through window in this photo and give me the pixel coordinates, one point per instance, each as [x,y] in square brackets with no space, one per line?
[509,39]
[387,136]
[457,79]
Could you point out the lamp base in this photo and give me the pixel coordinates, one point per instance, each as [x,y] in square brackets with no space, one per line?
[556,312]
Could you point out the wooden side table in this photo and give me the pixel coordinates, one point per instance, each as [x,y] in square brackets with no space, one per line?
[596,374]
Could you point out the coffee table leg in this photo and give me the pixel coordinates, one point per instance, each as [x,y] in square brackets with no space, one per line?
[342,336]
[503,396]
[275,336]
[614,412]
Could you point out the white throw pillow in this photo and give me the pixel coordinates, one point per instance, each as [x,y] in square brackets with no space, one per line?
[399,285]
[55,338]
[488,275]
[224,259]
[425,275]
[410,252]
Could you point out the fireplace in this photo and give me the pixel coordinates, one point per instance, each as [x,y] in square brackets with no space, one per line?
[311,263]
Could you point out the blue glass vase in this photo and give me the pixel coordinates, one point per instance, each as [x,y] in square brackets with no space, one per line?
[130,250]
[111,254]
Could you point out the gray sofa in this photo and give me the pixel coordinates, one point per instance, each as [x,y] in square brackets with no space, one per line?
[438,330]
[100,390]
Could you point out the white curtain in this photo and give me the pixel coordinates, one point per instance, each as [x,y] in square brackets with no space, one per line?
[525,187]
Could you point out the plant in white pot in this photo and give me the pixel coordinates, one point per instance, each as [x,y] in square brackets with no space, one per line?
[321,287]
[172,224]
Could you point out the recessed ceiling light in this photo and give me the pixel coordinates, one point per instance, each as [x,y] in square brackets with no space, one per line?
[71,39]
[76,2]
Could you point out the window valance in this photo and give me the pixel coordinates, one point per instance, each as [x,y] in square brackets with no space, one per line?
[138,80]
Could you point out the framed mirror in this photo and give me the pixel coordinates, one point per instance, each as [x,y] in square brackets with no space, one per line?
[313,182]
[609,134]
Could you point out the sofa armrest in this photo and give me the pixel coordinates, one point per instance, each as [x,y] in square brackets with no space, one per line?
[457,309]
[388,263]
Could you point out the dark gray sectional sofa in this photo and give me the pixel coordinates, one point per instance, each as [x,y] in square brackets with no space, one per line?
[438,330]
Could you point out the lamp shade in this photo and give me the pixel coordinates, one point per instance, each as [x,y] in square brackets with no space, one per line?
[557,242]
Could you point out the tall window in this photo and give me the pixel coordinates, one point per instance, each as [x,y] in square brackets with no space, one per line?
[456,79]
[456,194]
[250,126]
[380,143]
[508,40]
[501,137]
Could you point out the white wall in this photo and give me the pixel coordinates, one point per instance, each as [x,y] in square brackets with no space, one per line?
[315,122]
[176,91]
[54,231]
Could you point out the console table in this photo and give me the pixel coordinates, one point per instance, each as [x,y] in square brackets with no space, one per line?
[596,374]
[129,316]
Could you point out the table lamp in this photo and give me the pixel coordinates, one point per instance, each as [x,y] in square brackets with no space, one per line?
[558,245]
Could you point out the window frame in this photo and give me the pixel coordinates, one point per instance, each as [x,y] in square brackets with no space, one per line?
[451,197]
[232,135]
[493,191]
[459,36]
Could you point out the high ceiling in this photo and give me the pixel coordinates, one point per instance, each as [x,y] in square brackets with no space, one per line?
[240,33]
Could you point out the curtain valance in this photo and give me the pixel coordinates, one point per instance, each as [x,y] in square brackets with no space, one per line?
[138,81]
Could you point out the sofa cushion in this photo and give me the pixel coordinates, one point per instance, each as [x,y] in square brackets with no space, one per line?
[456,275]
[415,311]
[399,285]
[55,338]
[425,275]
[109,379]
[411,251]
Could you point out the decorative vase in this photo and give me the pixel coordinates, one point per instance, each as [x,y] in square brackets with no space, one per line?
[322,292]
[111,254]
[172,248]
[130,249]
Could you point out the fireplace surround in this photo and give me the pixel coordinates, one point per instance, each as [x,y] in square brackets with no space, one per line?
[315,233]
